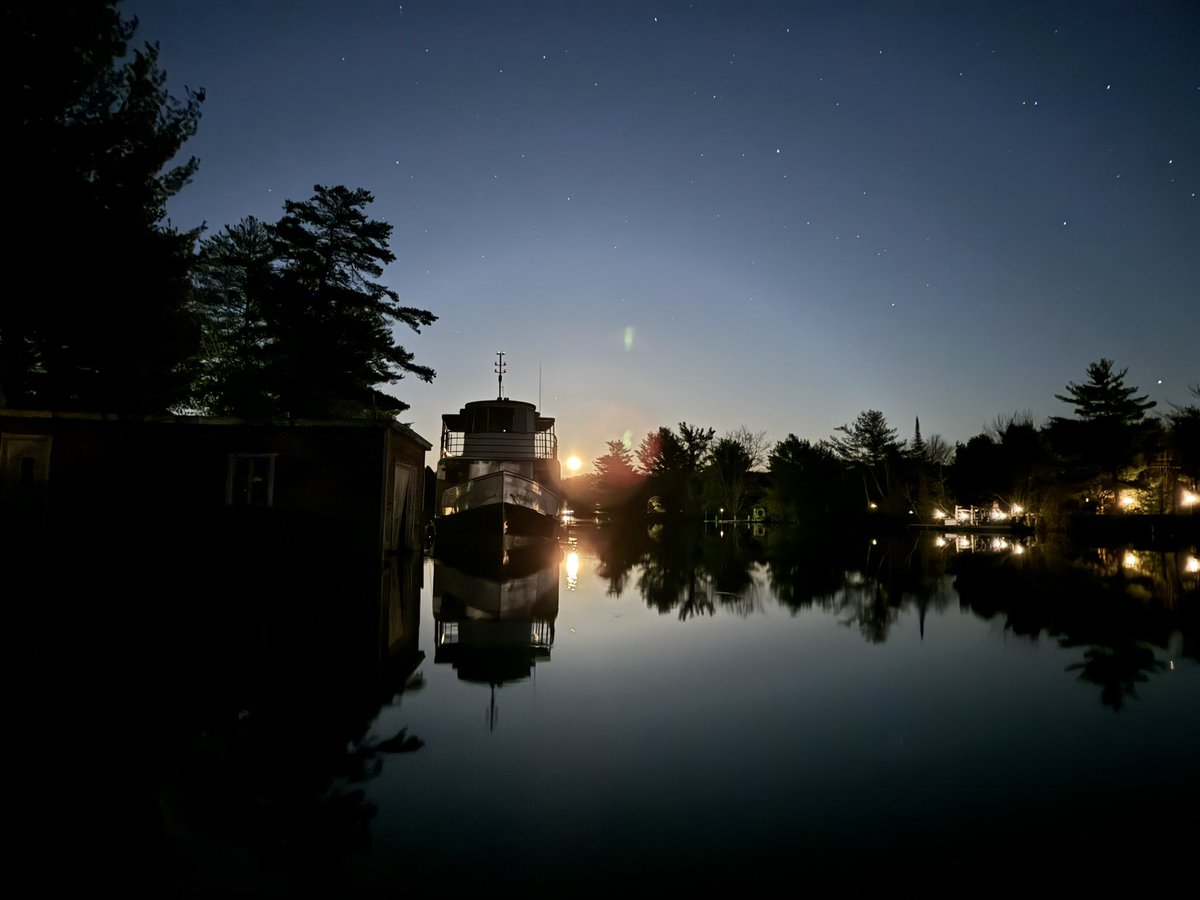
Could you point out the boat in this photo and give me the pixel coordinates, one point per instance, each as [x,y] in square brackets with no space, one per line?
[498,478]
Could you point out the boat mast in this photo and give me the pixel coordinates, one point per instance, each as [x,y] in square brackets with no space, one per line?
[501,368]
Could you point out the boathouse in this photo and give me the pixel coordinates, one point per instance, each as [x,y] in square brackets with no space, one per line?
[207,484]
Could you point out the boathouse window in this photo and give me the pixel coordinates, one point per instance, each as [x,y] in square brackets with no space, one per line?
[250,479]
[25,459]
[24,476]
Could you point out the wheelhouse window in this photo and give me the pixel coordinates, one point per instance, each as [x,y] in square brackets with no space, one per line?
[250,479]
[492,419]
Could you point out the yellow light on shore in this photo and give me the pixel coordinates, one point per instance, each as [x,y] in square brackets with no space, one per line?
[574,462]
[1192,564]
[1189,499]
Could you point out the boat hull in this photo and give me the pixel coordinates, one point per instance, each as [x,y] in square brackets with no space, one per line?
[501,510]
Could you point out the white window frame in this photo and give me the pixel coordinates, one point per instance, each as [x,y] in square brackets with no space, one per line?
[231,471]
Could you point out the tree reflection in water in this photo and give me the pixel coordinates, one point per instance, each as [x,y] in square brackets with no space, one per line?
[1090,597]
[228,707]
[274,762]
[1118,670]
[1123,606]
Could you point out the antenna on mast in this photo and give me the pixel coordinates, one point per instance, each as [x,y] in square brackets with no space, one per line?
[539,384]
[501,368]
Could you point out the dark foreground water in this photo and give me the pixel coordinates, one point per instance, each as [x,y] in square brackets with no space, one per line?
[630,711]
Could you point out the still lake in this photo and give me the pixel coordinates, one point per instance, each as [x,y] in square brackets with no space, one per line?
[663,711]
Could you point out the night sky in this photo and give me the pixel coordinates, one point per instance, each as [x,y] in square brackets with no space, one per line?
[771,215]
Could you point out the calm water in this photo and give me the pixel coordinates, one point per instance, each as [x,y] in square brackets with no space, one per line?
[688,726]
[673,710]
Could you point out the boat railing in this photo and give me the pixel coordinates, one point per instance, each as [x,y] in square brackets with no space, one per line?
[545,444]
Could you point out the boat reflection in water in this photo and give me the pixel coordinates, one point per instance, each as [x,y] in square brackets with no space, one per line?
[494,618]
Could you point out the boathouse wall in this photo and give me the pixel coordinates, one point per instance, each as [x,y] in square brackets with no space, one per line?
[345,487]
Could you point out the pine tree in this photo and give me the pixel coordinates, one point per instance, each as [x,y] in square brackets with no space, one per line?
[1103,448]
[917,449]
[869,445]
[868,441]
[330,319]
[233,284]
[93,135]
[617,480]
[616,466]
[1105,397]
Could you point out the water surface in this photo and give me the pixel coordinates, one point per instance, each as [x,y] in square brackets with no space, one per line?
[688,726]
[666,709]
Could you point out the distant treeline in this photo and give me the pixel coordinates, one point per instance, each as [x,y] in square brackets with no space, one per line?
[1107,456]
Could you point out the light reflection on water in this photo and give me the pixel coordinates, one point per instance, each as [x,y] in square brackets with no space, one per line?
[720,703]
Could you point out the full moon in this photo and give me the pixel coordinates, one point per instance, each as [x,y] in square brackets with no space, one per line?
[573,463]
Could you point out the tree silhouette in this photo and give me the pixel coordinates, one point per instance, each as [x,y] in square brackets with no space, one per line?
[94,135]
[1101,448]
[616,478]
[731,459]
[1185,436]
[868,440]
[330,320]
[663,460]
[869,446]
[233,282]
[696,444]
[661,453]
[808,482]
[1104,397]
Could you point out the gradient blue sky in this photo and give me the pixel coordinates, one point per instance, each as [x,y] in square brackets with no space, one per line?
[762,214]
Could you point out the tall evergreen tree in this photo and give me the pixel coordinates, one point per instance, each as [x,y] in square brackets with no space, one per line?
[233,284]
[330,318]
[93,133]
[917,448]
[617,481]
[868,441]
[1104,397]
[869,445]
[1102,449]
